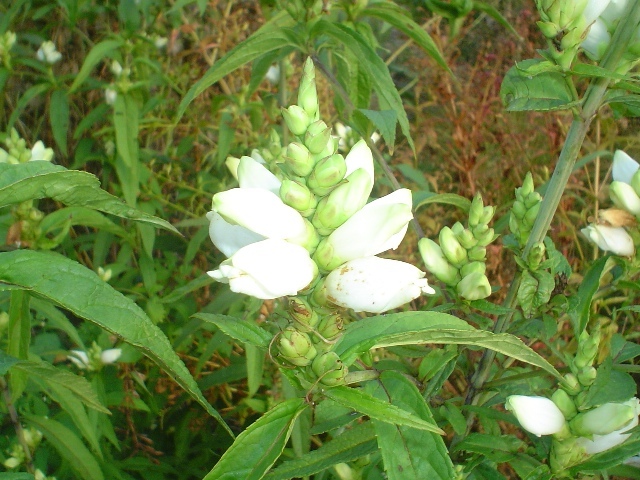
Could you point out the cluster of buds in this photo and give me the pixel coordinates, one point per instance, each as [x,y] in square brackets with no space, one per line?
[524,211]
[26,227]
[608,14]
[566,24]
[16,150]
[460,259]
[16,454]
[48,53]
[578,430]
[302,229]
[610,232]
[95,358]
[7,41]
[347,138]
[299,225]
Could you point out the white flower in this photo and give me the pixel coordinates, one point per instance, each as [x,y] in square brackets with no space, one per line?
[624,167]
[110,95]
[79,358]
[110,355]
[253,174]
[360,156]
[39,152]
[625,197]
[260,211]
[268,269]
[376,228]
[600,443]
[537,415]
[160,42]
[594,9]
[597,40]
[610,239]
[116,68]
[48,53]
[273,74]
[229,238]
[375,284]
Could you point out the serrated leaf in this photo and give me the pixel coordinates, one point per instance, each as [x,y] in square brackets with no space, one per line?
[35,180]
[88,297]
[398,17]
[245,331]
[259,446]
[535,290]
[372,65]
[69,446]
[408,453]
[545,91]
[610,386]
[350,445]
[415,328]
[459,201]
[48,375]
[59,118]
[378,409]
[580,302]
[498,449]
[80,216]
[99,52]
[265,40]
[385,121]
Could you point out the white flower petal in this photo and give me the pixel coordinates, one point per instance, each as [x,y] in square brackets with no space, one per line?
[375,284]
[610,239]
[360,156]
[623,167]
[229,238]
[253,174]
[110,355]
[537,415]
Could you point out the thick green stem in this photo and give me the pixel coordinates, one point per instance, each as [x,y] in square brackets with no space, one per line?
[592,101]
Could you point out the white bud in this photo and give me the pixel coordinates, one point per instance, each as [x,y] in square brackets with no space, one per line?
[537,415]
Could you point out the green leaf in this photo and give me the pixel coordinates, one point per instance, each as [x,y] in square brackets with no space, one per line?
[535,290]
[30,94]
[16,476]
[378,409]
[35,180]
[265,40]
[6,362]
[259,446]
[88,297]
[610,386]
[125,121]
[398,17]
[71,216]
[580,303]
[385,121]
[46,374]
[245,331]
[495,14]
[414,328]
[372,65]
[408,453]
[59,118]
[99,52]
[498,449]
[69,446]
[350,445]
[459,201]
[522,91]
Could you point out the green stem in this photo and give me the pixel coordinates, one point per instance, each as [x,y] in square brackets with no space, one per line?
[17,426]
[592,101]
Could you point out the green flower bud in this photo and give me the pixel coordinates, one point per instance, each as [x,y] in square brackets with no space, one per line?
[474,286]
[476,211]
[343,201]
[530,217]
[486,238]
[466,239]
[571,384]
[536,255]
[587,349]
[298,196]
[436,262]
[480,230]
[307,93]
[297,119]
[487,214]
[518,209]
[330,326]
[565,403]
[301,311]
[565,453]
[472,267]
[635,182]
[317,136]
[457,228]
[309,239]
[602,420]
[478,254]
[296,347]
[298,159]
[329,369]
[549,29]
[327,173]
[587,376]
[456,254]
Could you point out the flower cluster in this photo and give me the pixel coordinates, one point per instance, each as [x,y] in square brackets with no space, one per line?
[47,53]
[17,151]
[610,232]
[578,429]
[95,358]
[460,259]
[309,226]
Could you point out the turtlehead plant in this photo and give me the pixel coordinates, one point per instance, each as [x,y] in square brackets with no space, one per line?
[300,225]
